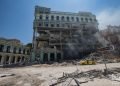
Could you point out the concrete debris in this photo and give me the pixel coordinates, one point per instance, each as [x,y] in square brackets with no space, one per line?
[102,56]
[88,76]
[44,75]
[114,77]
[6,75]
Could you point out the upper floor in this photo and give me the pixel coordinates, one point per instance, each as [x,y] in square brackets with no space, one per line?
[47,18]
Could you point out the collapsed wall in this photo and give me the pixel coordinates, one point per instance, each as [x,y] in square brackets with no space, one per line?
[112,35]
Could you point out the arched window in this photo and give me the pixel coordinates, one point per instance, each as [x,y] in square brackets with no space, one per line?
[18,59]
[19,50]
[90,20]
[7,59]
[72,18]
[58,25]
[23,58]
[52,25]
[81,19]
[86,19]
[77,19]
[57,17]
[68,18]
[8,49]
[62,18]
[52,17]
[14,50]
[13,59]
[1,48]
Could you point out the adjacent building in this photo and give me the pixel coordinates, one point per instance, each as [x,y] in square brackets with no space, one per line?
[57,33]
[12,51]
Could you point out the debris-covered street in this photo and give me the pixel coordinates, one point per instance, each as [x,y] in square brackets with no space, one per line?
[46,75]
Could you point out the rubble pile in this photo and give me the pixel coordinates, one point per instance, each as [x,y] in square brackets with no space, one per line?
[107,56]
[84,77]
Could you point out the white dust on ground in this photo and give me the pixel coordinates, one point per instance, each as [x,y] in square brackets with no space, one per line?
[38,75]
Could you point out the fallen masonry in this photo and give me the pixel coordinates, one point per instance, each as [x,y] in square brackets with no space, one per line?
[49,75]
[88,75]
[6,75]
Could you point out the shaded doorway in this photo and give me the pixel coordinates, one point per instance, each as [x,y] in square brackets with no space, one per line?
[52,57]
[18,60]
[23,59]
[13,60]
[58,56]
[7,60]
[45,57]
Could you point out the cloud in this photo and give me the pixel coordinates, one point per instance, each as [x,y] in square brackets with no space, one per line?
[108,17]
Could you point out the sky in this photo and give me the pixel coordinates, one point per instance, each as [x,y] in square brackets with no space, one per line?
[16,16]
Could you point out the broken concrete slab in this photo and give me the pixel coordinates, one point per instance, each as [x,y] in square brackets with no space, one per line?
[5,75]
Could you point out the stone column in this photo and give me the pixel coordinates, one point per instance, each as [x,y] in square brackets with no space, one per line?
[26,51]
[55,53]
[5,48]
[11,49]
[2,60]
[22,50]
[16,59]
[24,59]
[49,57]
[10,59]
[41,55]
[20,60]
[17,50]
[33,57]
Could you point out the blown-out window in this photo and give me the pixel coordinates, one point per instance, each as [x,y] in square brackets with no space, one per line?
[90,20]
[58,25]
[77,19]
[62,18]
[41,17]
[1,48]
[72,18]
[81,19]
[57,17]
[52,17]
[8,49]
[47,17]
[86,19]
[68,19]
[52,25]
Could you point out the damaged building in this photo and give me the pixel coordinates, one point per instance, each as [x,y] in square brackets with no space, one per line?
[62,35]
[13,52]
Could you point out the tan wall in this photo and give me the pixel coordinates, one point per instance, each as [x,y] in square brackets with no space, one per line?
[11,57]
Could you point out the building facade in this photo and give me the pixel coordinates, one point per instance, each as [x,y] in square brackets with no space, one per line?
[60,31]
[13,52]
